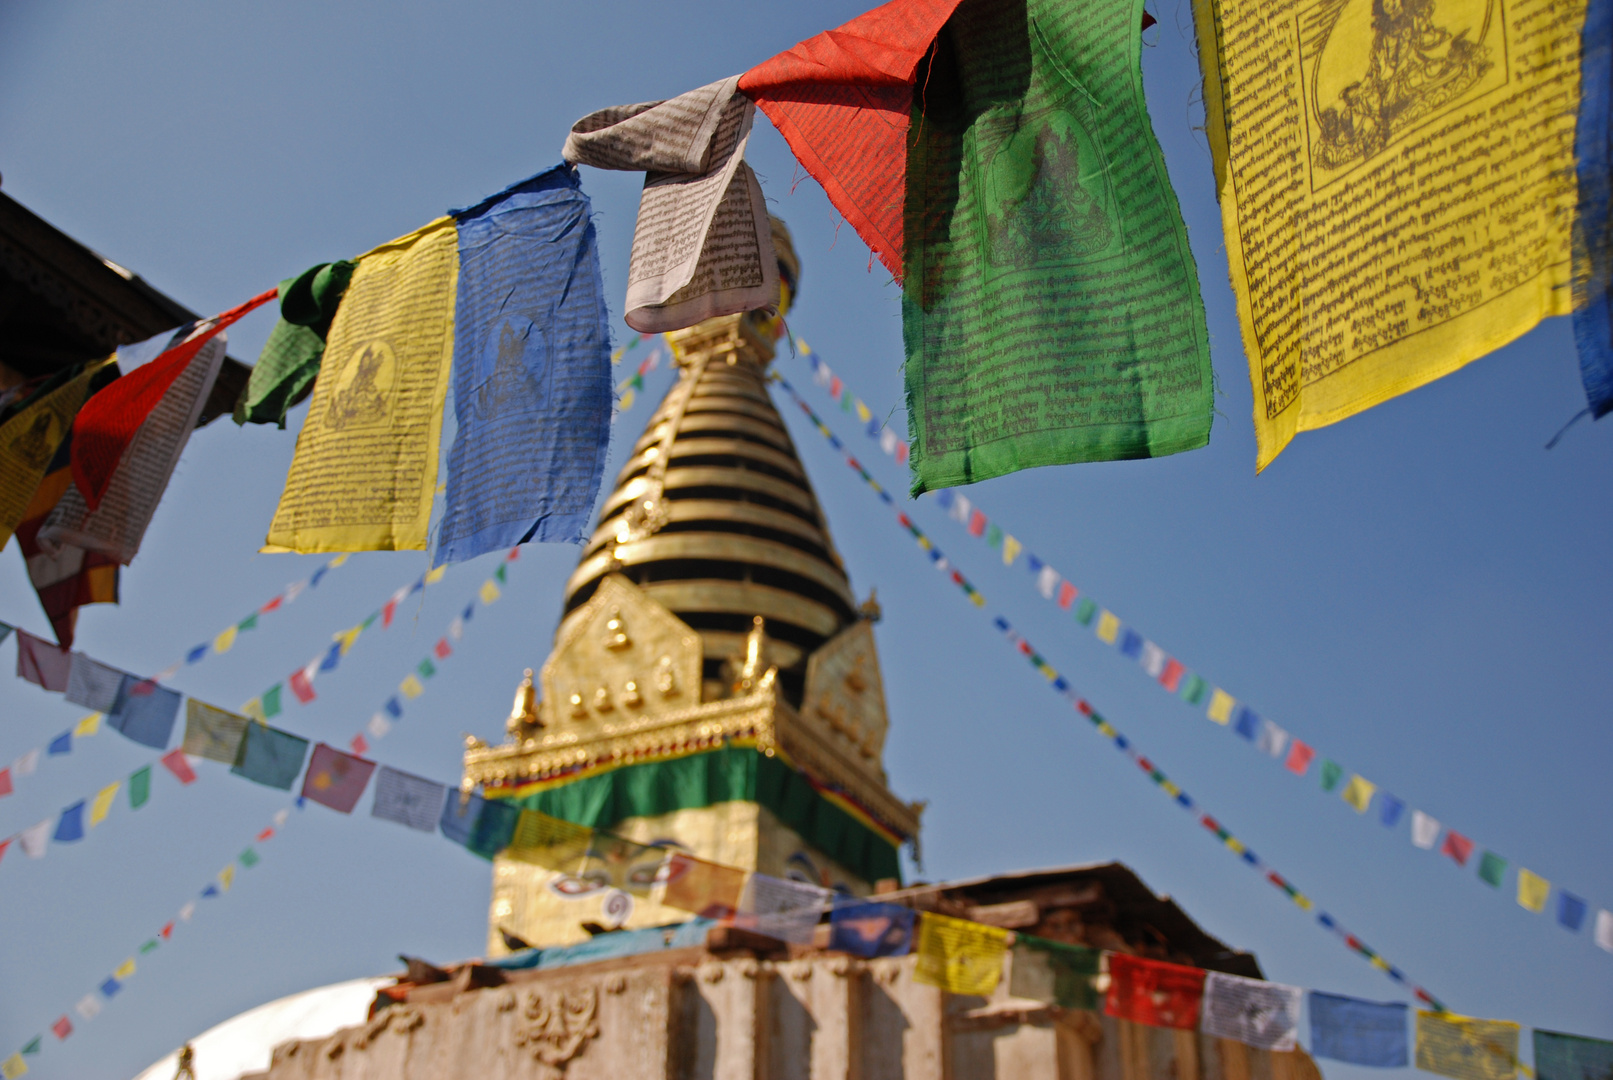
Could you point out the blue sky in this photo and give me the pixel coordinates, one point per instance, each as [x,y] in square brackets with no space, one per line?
[1420,591]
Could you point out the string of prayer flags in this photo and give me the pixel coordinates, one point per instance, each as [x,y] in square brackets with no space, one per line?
[870,929]
[702,245]
[1154,992]
[335,779]
[33,429]
[289,363]
[531,375]
[1466,1048]
[1055,973]
[225,639]
[408,800]
[958,956]
[270,757]
[1359,1032]
[1571,1057]
[707,889]
[1254,1012]
[365,468]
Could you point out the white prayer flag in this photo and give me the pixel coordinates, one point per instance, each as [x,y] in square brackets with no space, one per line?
[88,1007]
[786,910]
[1152,659]
[378,726]
[1273,740]
[887,441]
[25,765]
[1256,1013]
[1604,929]
[1047,581]
[1424,830]
[35,839]
[93,684]
[187,911]
[961,509]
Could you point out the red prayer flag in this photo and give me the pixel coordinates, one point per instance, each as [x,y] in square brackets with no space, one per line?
[1154,992]
[1067,594]
[901,453]
[176,764]
[42,663]
[62,1028]
[1299,758]
[5,781]
[265,834]
[335,779]
[358,745]
[1171,677]
[3,845]
[842,101]
[835,386]
[977,524]
[271,605]
[443,649]
[108,421]
[167,931]
[387,612]
[301,686]
[1457,847]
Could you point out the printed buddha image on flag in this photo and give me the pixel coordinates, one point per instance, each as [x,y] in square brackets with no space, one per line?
[1252,1011]
[33,428]
[1466,1048]
[1397,194]
[213,733]
[335,779]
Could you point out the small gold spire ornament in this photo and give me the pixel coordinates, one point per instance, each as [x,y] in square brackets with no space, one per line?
[524,713]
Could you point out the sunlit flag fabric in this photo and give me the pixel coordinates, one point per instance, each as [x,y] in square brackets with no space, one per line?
[42,663]
[213,733]
[1154,992]
[270,756]
[1062,975]
[289,363]
[93,684]
[335,779]
[782,909]
[1593,221]
[1256,1013]
[483,826]
[532,387]
[551,842]
[145,712]
[408,800]
[870,929]
[1466,1048]
[1571,1057]
[959,956]
[32,430]
[705,888]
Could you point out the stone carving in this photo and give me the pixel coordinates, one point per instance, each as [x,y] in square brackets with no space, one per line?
[557,1025]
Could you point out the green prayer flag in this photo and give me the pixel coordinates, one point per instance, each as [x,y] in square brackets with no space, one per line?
[249,858]
[149,946]
[1193,690]
[139,787]
[1050,305]
[248,623]
[270,756]
[1332,773]
[33,1045]
[1085,610]
[502,573]
[1058,974]
[1492,869]
[365,625]
[994,536]
[289,363]
[271,701]
[426,668]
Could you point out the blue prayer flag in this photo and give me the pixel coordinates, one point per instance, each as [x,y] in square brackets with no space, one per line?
[470,609]
[484,826]
[211,890]
[1570,910]
[1593,220]
[1248,723]
[196,654]
[1392,809]
[1359,1032]
[532,392]
[332,658]
[394,708]
[144,712]
[870,929]
[71,826]
[1572,1057]
[61,744]
[419,583]
[313,581]
[944,497]
[110,987]
[1034,565]
[1131,644]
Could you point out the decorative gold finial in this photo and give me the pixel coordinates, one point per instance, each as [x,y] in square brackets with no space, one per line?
[748,675]
[616,638]
[524,713]
[869,610]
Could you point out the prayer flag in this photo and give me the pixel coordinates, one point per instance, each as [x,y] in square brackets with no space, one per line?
[1492,869]
[335,779]
[1570,911]
[960,957]
[1392,809]
[225,640]
[1273,740]
[145,712]
[226,877]
[1221,703]
[125,970]
[1192,690]
[32,1045]
[333,656]
[1067,594]
[1011,550]
[289,363]
[358,745]
[1046,582]
[25,765]
[442,650]
[269,703]
[994,536]
[707,889]
[149,947]
[1359,1032]
[1532,890]
[407,800]
[1593,237]
[1457,846]
[483,826]
[302,685]
[1466,1048]
[88,1007]
[1154,992]
[1084,611]
[394,708]
[1330,103]
[270,756]
[531,370]
[187,911]
[89,725]
[140,782]
[869,929]
[1358,793]
[174,761]
[1332,773]
[71,825]
[1062,975]
[1256,1013]
[35,839]
[93,684]
[62,1028]
[41,663]
[1603,932]
[213,733]
[365,468]
[1108,626]
[862,411]
[1171,677]
[61,744]
[13,1067]
[1131,643]
[1424,830]
[5,781]
[378,727]
[103,803]
[551,842]
[977,523]
[426,669]
[32,432]
[1571,1057]
[248,858]
[411,687]
[1248,723]
[489,592]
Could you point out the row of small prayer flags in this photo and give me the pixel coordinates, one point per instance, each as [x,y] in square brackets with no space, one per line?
[89,1006]
[887,438]
[1062,686]
[27,764]
[627,390]
[1533,891]
[69,826]
[225,639]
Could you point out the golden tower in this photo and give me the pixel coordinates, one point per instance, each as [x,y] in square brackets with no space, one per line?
[713,686]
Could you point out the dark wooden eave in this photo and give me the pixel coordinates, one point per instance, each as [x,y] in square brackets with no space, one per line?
[61,303]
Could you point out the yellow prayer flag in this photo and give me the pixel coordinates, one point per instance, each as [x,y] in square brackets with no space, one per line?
[489,592]
[338,560]
[1532,890]
[862,411]
[88,726]
[125,969]
[13,1067]
[254,709]
[411,687]
[959,956]
[1385,225]
[627,400]
[1466,1048]
[1358,793]
[223,642]
[1221,704]
[435,574]
[226,877]
[1108,627]
[103,803]
[550,842]
[366,461]
[30,439]
[800,343]
[1011,550]
[348,636]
